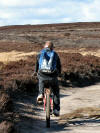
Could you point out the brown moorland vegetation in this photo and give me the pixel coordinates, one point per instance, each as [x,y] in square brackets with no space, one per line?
[78,69]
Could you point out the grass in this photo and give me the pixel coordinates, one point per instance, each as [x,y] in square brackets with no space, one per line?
[83,51]
[7,57]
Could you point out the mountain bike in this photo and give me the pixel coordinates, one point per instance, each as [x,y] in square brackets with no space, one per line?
[48,103]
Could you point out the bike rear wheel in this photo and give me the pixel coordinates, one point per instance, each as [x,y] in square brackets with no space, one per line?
[47,109]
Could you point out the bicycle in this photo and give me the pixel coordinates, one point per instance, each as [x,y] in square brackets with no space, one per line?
[48,103]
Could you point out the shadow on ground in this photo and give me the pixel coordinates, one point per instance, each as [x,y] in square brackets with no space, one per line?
[84,121]
[78,82]
[31,118]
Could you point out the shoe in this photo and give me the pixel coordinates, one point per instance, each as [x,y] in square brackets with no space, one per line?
[56,112]
[40,99]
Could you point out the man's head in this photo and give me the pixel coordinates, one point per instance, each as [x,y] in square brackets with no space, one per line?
[49,44]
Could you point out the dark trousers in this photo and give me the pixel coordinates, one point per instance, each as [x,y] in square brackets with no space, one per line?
[53,83]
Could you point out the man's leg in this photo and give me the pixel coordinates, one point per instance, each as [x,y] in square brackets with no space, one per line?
[41,91]
[41,86]
[56,97]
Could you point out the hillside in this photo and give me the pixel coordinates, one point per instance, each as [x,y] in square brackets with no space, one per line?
[78,46]
[63,35]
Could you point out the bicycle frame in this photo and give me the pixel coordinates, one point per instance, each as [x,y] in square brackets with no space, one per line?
[47,90]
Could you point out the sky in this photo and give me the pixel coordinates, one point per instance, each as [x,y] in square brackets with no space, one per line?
[21,12]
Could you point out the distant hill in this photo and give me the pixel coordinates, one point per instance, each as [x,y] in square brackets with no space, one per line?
[85,34]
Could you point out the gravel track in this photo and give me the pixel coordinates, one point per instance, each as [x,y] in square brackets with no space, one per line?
[32,116]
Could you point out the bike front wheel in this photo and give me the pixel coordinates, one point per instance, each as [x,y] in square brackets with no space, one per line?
[48,110]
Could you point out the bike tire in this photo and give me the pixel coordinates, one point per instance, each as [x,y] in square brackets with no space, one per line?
[48,110]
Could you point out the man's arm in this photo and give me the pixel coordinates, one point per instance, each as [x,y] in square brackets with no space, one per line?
[37,63]
[58,65]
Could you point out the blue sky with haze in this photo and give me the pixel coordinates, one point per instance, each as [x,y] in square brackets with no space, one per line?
[18,12]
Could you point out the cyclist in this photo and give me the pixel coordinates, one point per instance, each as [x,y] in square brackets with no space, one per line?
[52,77]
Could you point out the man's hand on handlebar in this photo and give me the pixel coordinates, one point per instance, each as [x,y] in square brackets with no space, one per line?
[34,74]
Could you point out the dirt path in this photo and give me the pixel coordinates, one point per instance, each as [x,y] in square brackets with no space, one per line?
[32,117]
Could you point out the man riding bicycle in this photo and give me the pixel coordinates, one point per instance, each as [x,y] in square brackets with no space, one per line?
[49,57]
